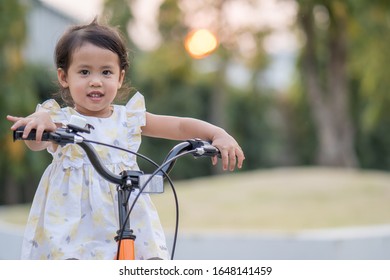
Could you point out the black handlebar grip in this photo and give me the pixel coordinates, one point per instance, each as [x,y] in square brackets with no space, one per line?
[18,134]
[205,146]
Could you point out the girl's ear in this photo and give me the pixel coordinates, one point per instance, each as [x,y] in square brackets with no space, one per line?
[62,79]
[121,78]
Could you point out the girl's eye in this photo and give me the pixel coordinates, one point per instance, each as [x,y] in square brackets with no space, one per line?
[107,72]
[84,72]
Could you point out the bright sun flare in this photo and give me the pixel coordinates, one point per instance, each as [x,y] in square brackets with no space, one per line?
[200,43]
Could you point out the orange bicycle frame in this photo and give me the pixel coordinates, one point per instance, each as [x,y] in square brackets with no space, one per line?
[126,250]
[125,237]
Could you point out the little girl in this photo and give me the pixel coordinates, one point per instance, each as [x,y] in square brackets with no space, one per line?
[74,212]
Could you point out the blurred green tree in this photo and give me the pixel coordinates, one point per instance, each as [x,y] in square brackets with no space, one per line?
[369,63]
[325,78]
[343,72]
[19,87]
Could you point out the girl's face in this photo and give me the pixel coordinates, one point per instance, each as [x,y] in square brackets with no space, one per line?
[93,79]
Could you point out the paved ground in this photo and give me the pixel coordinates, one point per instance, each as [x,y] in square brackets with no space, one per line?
[368,243]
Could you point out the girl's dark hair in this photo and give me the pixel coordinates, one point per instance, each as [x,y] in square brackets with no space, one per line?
[102,36]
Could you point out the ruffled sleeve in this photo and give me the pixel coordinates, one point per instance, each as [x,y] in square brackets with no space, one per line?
[53,108]
[57,115]
[135,119]
[136,111]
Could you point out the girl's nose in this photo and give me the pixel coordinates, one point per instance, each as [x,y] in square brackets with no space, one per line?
[95,82]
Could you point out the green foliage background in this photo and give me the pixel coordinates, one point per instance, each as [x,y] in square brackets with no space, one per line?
[273,129]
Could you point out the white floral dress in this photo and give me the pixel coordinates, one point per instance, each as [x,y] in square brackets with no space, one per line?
[74,213]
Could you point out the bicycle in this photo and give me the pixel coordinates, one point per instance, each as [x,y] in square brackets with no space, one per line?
[128,180]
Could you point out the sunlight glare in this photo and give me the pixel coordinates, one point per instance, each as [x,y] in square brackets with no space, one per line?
[200,43]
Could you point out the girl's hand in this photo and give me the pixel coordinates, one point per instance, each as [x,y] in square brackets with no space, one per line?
[40,121]
[231,152]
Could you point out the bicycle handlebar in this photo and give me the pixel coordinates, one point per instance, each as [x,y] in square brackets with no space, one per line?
[64,136]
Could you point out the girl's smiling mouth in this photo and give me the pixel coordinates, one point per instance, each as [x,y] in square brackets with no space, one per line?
[95,95]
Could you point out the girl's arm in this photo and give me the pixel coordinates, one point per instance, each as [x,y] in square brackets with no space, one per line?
[41,121]
[177,128]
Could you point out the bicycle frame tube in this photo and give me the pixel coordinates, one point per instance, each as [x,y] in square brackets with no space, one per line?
[125,237]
